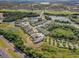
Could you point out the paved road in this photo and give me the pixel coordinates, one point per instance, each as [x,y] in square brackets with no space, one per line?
[3,54]
[12,47]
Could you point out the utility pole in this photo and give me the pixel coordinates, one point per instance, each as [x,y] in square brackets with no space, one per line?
[32,7]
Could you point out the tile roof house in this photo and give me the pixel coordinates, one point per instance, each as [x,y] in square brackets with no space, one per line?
[32,31]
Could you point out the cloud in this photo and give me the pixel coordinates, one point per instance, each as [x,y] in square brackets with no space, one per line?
[40,0]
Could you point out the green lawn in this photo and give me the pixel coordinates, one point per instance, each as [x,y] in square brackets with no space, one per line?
[61,12]
[34,11]
[62,33]
[38,11]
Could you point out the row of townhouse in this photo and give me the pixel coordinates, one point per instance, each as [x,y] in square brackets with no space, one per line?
[32,31]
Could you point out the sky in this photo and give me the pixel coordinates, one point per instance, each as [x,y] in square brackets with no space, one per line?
[40,0]
[33,0]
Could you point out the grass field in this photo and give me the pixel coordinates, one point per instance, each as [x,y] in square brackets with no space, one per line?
[61,12]
[38,11]
[62,32]
[34,11]
[18,31]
